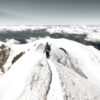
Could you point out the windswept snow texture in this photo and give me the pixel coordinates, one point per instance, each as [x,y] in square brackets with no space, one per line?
[86,34]
[71,73]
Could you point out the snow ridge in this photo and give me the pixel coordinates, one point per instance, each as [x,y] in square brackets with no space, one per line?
[55,92]
[65,76]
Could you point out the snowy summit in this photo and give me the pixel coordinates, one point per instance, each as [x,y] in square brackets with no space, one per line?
[71,73]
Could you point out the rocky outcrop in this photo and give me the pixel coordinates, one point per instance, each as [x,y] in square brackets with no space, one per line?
[63,50]
[4,54]
[17,57]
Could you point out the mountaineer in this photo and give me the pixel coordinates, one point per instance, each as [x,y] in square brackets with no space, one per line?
[47,50]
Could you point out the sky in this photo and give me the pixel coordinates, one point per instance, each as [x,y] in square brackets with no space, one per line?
[49,12]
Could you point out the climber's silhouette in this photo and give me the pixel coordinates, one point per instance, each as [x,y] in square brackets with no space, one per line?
[47,50]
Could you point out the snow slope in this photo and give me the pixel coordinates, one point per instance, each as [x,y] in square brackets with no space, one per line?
[70,75]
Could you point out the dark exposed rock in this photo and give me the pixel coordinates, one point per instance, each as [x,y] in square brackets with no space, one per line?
[4,54]
[2,46]
[17,57]
[63,50]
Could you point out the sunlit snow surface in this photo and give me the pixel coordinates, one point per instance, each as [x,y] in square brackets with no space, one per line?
[73,75]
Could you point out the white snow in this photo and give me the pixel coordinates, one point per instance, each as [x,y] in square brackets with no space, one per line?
[65,76]
[55,92]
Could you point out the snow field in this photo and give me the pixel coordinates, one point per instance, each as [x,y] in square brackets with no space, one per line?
[73,75]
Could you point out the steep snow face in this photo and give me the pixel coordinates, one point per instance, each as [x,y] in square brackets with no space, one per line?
[71,73]
[77,72]
[16,49]
[27,79]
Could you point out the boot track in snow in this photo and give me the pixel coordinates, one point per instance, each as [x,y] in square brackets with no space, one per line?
[55,91]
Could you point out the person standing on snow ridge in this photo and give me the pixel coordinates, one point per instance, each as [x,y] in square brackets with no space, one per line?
[47,50]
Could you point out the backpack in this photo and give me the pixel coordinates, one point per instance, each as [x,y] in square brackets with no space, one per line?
[47,48]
